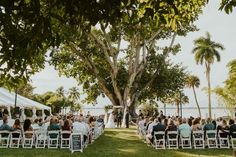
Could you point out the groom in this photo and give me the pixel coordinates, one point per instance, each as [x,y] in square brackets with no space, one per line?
[119,118]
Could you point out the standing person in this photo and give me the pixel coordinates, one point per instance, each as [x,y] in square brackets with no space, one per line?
[111,122]
[127,119]
[119,118]
[1,113]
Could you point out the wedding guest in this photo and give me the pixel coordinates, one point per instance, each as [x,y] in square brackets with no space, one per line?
[223,128]
[171,126]
[232,128]
[66,127]
[196,125]
[5,126]
[184,129]
[209,125]
[27,127]
[53,124]
[17,125]
[158,127]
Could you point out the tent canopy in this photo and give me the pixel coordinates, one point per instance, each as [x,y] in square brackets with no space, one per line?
[8,99]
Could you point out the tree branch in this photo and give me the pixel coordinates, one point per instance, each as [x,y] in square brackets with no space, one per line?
[93,68]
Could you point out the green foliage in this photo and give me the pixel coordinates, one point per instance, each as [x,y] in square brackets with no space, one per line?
[206,50]
[227,5]
[59,100]
[148,107]
[95,58]
[26,90]
[226,94]
[192,81]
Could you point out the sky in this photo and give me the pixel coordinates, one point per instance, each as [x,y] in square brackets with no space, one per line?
[222,28]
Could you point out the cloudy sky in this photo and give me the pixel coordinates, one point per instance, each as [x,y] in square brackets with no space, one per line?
[222,28]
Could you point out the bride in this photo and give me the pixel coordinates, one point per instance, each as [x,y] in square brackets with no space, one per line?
[111,123]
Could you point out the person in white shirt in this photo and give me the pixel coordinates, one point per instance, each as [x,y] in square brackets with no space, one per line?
[80,127]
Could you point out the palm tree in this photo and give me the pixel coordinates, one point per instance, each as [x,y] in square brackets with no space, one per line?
[73,97]
[206,51]
[192,82]
[179,98]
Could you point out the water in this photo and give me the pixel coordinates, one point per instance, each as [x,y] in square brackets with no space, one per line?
[186,112]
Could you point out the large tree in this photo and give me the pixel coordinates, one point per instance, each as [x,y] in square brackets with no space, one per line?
[206,51]
[101,63]
[192,82]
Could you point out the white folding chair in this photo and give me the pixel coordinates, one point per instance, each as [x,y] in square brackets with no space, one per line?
[28,139]
[211,138]
[223,139]
[185,141]
[159,140]
[65,139]
[53,139]
[40,138]
[4,138]
[15,138]
[198,139]
[172,139]
[233,139]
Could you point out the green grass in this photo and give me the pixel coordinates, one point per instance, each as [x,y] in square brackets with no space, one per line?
[115,143]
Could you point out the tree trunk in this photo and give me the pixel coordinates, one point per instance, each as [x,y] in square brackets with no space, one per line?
[123,120]
[198,107]
[209,88]
[132,111]
[177,105]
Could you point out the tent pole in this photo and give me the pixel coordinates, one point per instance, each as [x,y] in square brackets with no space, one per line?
[15,102]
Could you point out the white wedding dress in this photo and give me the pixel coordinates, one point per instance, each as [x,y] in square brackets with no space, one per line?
[110,123]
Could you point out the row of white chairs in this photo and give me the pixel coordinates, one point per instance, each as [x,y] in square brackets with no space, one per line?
[197,140]
[40,138]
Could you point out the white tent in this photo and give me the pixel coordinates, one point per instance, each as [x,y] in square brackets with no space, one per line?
[7,99]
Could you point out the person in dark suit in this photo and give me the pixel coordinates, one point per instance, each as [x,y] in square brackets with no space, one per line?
[158,127]
[119,118]
[127,119]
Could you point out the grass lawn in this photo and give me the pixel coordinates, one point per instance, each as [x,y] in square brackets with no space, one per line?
[115,143]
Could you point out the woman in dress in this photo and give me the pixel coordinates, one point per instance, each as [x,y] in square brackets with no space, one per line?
[111,123]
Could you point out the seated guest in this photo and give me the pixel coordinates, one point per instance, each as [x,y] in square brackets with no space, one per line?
[203,123]
[158,127]
[214,123]
[27,127]
[80,127]
[190,122]
[223,129]
[232,128]
[196,125]
[184,129]
[171,126]
[35,125]
[66,127]
[209,125]
[53,124]
[16,127]
[100,121]
[149,130]
[5,126]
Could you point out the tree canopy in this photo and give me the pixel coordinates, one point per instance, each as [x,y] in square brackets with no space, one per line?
[226,94]
[101,63]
